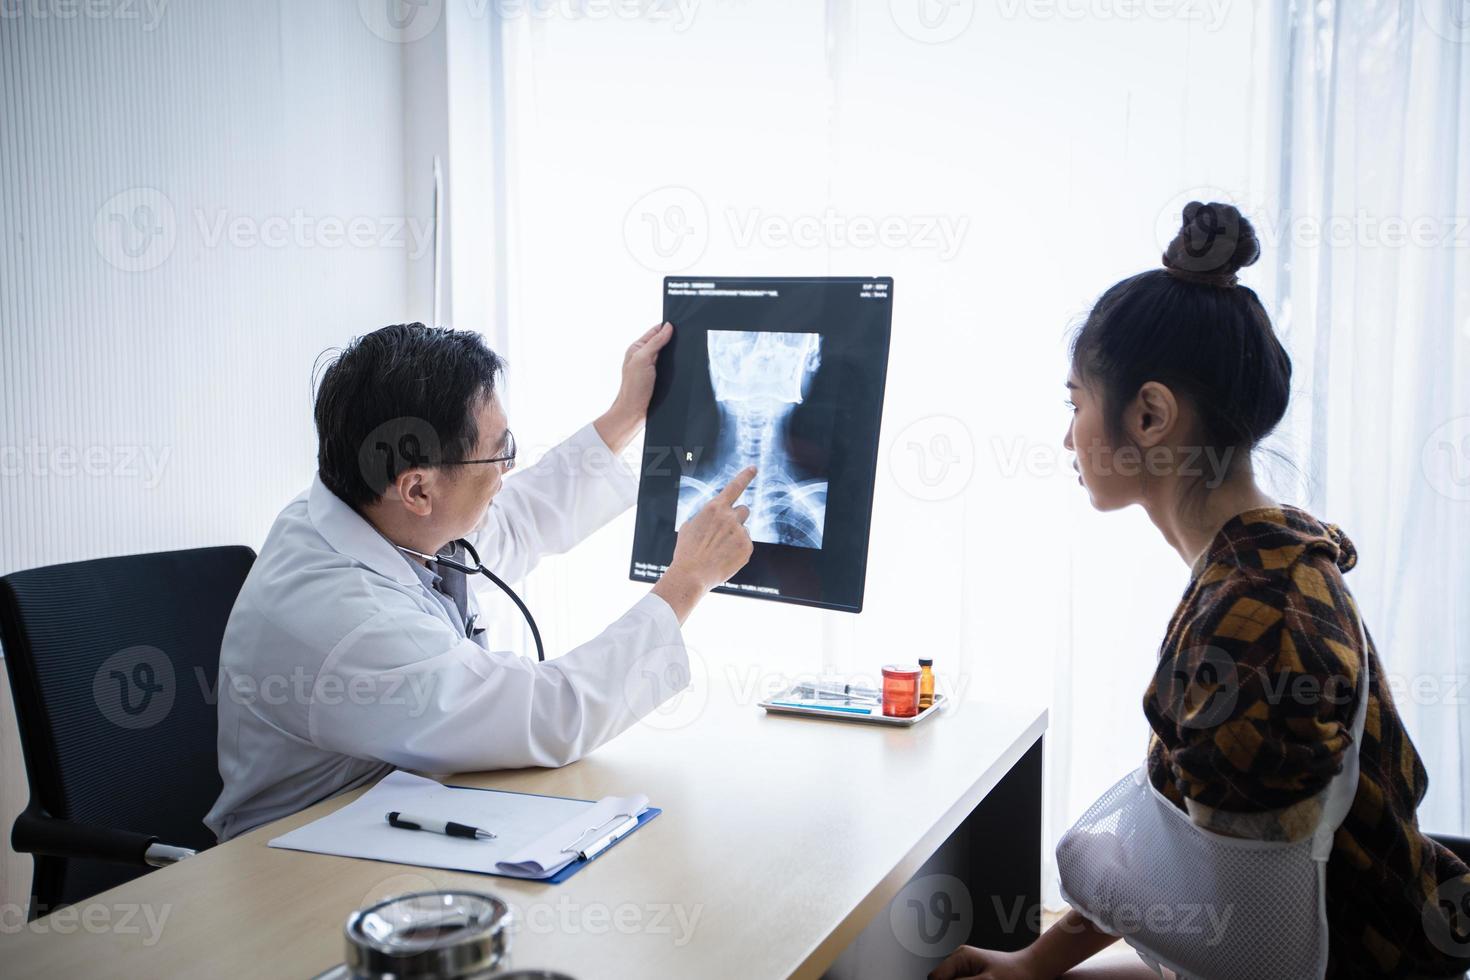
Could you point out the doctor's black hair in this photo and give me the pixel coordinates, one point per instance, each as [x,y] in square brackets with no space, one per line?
[404,395]
[1193,327]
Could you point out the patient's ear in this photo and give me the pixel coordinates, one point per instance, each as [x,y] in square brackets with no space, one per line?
[1153,415]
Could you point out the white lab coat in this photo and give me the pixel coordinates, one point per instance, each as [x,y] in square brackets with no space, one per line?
[339,664]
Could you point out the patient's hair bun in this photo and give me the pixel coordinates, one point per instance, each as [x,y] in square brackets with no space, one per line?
[1215,241]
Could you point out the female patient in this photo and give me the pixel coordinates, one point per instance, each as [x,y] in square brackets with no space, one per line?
[1176,376]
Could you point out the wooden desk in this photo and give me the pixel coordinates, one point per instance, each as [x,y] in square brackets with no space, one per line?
[781,839]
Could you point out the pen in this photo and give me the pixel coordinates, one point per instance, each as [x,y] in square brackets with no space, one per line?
[408,821]
[598,846]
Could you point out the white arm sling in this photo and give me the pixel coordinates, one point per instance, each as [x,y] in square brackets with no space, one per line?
[1207,906]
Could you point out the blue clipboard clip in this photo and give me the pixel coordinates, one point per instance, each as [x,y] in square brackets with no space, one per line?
[585,856]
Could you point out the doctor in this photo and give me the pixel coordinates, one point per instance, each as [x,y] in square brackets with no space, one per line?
[346,655]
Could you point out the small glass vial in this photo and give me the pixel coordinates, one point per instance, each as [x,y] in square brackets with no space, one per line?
[926,684]
[900,691]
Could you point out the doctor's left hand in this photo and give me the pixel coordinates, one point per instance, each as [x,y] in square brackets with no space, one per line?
[621,422]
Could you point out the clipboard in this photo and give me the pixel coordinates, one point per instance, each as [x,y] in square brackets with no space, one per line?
[580,863]
[523,845]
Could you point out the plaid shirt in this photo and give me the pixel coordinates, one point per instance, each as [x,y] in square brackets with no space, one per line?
[1252,710]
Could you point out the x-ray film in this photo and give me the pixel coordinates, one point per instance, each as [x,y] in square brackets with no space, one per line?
[786,375]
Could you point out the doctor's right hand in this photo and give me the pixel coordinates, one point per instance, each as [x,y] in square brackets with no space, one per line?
[713,545]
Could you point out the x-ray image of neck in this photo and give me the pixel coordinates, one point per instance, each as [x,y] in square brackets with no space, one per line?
[759,379]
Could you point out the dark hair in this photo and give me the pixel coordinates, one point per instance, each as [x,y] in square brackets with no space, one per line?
[1191,326]
[402,396]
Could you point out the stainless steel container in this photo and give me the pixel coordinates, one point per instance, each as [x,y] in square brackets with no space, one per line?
[442,935]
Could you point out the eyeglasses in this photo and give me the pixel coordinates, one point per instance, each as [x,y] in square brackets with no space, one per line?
[508,457]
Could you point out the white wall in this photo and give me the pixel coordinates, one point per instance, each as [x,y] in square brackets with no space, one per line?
[155,387]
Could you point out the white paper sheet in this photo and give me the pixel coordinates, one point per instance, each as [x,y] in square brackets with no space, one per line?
[529,829]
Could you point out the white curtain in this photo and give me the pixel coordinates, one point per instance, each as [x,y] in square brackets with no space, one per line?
[1368,205]
[1005,163]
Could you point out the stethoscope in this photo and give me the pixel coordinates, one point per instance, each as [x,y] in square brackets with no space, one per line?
[459,566]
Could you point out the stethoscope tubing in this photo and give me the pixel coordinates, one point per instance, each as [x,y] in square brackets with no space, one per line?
[478,566]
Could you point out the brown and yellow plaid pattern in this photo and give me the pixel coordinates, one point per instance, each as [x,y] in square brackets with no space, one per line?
[1252,710]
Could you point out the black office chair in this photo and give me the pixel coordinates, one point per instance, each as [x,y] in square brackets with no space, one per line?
[1459,846]
[113,668]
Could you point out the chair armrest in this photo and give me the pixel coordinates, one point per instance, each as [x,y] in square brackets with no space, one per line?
[1459,846]
[37,833]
